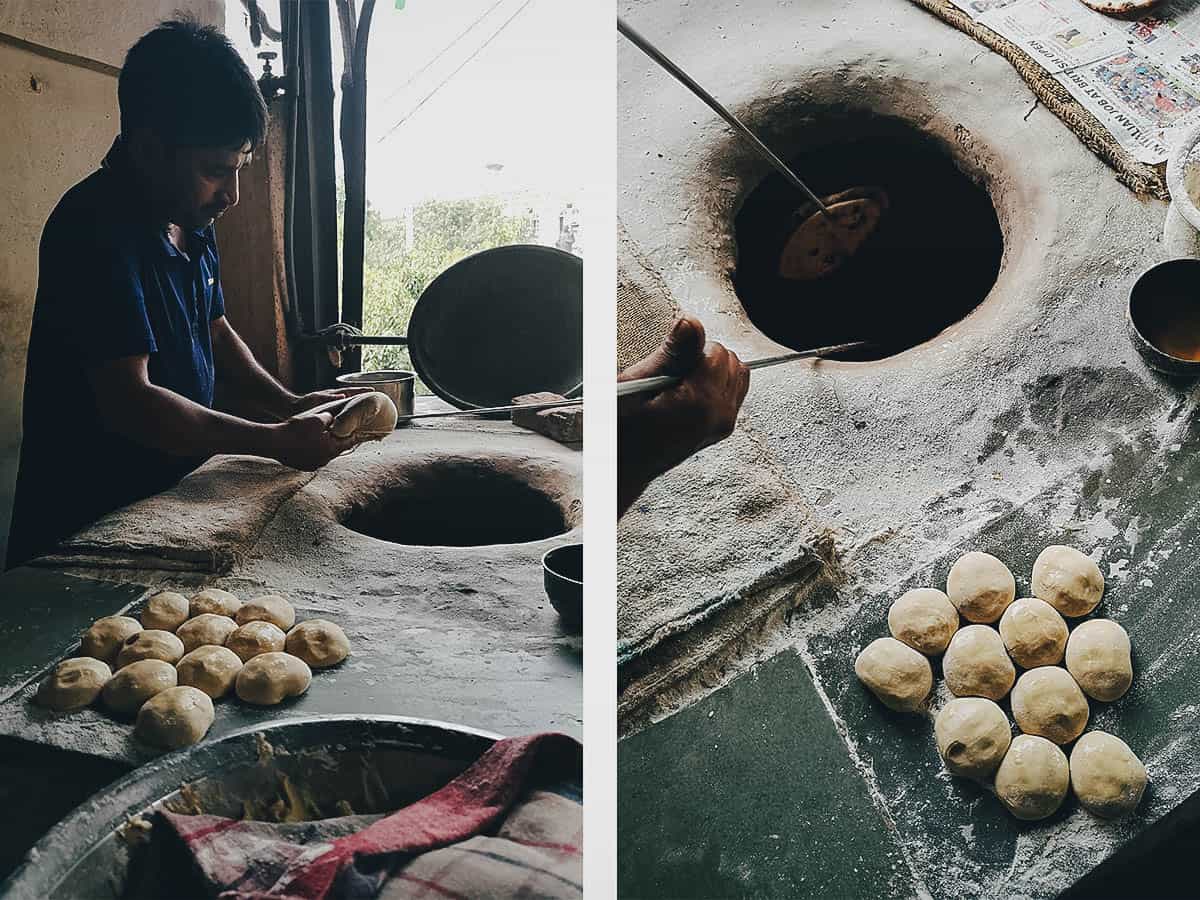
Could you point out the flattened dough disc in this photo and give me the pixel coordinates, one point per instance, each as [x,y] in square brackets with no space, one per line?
[816,248]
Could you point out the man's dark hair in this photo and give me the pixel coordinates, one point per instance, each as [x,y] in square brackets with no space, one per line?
[187,83]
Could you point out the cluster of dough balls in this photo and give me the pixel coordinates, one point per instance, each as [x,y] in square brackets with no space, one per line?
[980,659]
[168,668]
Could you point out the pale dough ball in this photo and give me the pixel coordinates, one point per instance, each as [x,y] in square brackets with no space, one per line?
[137,683]
[368,417]
[254,638]
[1067,580]
[980,586]
[896,673]
[273,677]
[74,683]
[1107,777]
[214,601]
[318,642]
[165,611]
[271,608]
[1034,633]
[1048,702]
[1033,778]
[925,619]
[175,718]
[211,669]
[972,735]
[207,628]
[1098,656]
[150,644]
[104,638]
[977,665]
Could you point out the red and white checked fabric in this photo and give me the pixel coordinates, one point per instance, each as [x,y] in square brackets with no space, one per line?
[500,829]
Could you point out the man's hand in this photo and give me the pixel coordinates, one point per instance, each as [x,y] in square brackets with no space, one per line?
[658,432]
[316,398]
[305,441]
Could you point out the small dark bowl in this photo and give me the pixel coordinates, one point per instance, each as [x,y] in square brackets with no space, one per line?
[562,573]
[1163,316]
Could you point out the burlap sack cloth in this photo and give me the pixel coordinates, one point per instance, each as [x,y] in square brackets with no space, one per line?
[1139,177]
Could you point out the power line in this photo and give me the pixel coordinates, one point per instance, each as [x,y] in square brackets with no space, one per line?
[417,74]
[461,66]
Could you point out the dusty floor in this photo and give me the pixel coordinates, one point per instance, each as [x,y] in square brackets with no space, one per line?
[1032,421]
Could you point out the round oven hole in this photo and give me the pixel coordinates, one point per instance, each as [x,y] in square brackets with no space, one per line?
[459,505]
[933,259]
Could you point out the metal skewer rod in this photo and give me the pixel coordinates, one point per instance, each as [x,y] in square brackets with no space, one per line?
[734,122]
[548,404]
[656,383]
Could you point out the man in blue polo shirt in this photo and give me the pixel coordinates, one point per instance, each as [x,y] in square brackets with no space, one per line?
[129,326]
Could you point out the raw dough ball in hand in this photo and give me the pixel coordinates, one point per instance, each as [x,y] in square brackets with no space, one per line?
[215,602]
[925,619]
[972,735]
[977,665]
[73,684]
[273,677]
[175,718]
[1048,702]
[165,611]
[1033,778]
[1034,633]
[254,638]
[1098,658]
[150,644]
[137,683]
[318,642]
[211,669]
[271,608]
[980,586]
[896,673]
[1107,777]
[368,417]
[1067,580]
[205,629]
[104,638]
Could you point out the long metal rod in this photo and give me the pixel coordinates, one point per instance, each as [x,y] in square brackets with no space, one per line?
[656,383]
[734,122]
[548,404]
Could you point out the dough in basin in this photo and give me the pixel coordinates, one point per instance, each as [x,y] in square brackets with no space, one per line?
[74,684]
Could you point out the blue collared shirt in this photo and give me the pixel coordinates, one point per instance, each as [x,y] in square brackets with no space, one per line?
[110,285]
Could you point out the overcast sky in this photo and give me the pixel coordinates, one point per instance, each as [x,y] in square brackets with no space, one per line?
[504,124]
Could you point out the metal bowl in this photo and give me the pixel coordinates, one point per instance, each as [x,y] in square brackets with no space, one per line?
[1163,317]
[375,764]
[396,383]
[562,574]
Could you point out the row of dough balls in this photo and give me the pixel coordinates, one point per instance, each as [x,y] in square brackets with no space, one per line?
[974,738]
[184,654]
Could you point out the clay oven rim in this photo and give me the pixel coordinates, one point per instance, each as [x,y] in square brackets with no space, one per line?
[817,114]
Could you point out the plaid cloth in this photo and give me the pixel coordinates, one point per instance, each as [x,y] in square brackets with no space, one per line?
[511,825]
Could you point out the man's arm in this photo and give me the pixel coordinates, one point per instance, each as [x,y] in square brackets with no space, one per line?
[254,384]
[156,417]
[657,433]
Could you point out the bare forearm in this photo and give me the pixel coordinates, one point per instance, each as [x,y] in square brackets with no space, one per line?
[255,385]
[169,422]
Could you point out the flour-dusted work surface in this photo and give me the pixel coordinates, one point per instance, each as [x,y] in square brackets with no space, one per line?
[1028,421]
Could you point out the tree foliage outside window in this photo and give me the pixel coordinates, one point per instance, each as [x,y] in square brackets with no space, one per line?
[402,257]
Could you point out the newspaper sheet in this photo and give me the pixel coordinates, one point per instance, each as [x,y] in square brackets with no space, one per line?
[1139,77]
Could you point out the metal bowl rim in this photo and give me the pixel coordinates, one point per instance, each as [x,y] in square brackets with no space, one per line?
[555,572]
[401,375]
[1189,364]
